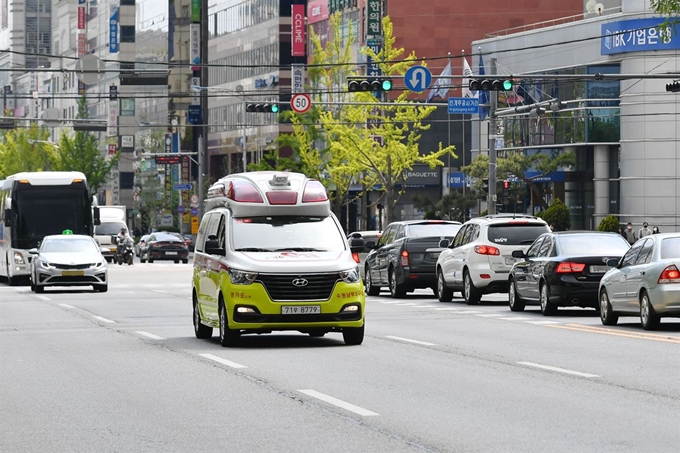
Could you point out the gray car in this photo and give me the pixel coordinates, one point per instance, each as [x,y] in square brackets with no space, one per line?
[644,283]
[68,260]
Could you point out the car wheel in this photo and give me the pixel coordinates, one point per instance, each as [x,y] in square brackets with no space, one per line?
[648,317]
[32,284]
[396,290]
[200,330]
[102,288]
[39,289]
[368,283]
[516,302]
[142,260]
[607,315]
[176,261]
[444,293]
[353,335]
[471,294]
[228,337]
[185,261]
[150,260]
[547,308]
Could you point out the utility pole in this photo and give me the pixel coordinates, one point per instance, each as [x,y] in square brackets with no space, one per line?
[493,127]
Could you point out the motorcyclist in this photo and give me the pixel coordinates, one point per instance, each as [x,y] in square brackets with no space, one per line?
[124,239]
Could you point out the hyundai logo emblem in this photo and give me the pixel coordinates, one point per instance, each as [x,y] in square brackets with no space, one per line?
[300,282]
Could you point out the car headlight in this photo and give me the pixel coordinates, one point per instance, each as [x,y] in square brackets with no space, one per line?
[18,258]
[350,275]
[45,265]
[97,265]
[242,277]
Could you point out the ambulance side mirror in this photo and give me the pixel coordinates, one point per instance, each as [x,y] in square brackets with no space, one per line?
[8,217]
[212,247]
[356,245]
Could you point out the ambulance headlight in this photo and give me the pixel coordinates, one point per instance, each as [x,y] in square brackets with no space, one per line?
[18,258]
[242,277]
[350,275]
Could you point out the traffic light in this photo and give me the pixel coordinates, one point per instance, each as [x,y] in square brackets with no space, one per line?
[506,184]
[485,186]
[491,84]
[264,107]
[370,84]
[673,87]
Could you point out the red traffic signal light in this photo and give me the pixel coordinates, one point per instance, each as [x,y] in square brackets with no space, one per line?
[506,184]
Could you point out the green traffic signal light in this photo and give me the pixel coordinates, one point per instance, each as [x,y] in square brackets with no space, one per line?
[387,85]
[275,108]
[507,85]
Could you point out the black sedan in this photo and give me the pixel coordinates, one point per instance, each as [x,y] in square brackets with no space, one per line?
[563,269]
[165,246]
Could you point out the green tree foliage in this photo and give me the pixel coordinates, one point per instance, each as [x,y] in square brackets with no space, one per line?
[452,206]
[26,149]
[80,152]
[667,8]
[557,215]
[610,223]
[518,164]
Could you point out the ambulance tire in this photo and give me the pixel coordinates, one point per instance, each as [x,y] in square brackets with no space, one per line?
[228,337]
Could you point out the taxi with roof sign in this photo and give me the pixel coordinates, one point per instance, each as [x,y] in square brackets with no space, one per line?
[269,256]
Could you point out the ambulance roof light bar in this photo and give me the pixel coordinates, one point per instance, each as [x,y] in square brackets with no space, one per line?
[243,192]
[314,192]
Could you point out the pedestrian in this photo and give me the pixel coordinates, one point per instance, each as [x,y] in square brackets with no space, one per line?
[622,231]
[655,230]
[644,231]
[630,234]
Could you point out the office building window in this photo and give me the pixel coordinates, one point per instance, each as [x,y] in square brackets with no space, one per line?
[127,33]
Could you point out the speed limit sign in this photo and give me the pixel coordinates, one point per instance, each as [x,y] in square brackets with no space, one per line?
[300,103]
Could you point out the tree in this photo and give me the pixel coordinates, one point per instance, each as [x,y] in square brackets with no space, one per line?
[518,164]
[610,223]
[26,149]
[80,152]
[557,215]
[452,206]
[666,8]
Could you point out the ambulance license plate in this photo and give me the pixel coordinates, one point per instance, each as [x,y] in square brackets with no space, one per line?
[300,309]
[72,273]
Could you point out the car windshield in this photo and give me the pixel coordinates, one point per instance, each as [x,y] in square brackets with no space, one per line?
[109,228]
[433,229]
[593,244]
[287,233]
[670,248]
[166,237]
[519,234]
[68,246]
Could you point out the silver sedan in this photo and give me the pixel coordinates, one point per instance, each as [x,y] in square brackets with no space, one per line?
[68,260]
[644,283]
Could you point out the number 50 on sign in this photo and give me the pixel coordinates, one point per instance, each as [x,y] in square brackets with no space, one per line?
[300,103]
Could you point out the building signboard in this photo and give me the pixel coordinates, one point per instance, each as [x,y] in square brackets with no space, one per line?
[298,31]
[374,18]
[113,30]
[195,46]
[637,35]
[317,10]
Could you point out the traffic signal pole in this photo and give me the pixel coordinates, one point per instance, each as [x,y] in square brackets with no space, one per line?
[493,128]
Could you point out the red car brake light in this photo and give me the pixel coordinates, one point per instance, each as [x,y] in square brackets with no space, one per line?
[487,250]
[567,267]
[670,275]
[404,259]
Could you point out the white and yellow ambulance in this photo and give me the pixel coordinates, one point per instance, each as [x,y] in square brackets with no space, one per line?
[270,255]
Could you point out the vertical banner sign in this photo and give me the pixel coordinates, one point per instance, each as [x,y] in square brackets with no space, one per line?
[299,77]
[175,149]
[81,18]
[113,30]
[195,46]
[113,118]
[373,69]
[195,95]
[374,18]
[298,31]
[195,10]
[186,194]
[82,44]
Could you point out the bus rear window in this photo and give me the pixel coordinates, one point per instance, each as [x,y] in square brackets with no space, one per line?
[520,234]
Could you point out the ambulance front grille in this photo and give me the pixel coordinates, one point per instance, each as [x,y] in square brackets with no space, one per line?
[292,287]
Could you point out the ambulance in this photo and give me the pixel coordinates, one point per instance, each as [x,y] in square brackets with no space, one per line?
[271,256]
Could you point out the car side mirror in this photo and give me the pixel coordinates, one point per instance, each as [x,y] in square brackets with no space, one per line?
[8,217]
[369,245]
[114,240]
[212,247]
[612,262]
[444,243]
[518,254]
[95,216]
[356,245]
[33,251]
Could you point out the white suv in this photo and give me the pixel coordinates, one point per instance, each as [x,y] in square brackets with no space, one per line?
[480,258]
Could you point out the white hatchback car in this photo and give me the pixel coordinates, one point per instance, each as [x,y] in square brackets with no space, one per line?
[480,258]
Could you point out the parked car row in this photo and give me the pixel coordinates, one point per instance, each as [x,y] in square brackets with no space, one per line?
[521,256]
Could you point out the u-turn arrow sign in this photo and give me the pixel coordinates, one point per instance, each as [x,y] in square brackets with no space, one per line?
[417,78]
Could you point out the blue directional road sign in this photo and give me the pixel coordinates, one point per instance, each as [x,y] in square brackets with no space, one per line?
[194,212]
[463,105]
[180,209]
[417,78]
[182,186]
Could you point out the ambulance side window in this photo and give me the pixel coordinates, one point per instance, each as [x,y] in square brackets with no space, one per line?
[221,230]
[200,237]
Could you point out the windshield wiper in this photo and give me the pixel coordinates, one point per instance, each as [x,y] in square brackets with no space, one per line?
[299,249]
[252,249]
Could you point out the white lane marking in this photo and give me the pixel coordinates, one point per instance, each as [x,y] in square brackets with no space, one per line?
[338,403]
[409,303]
[223,361]
[559,370]
[426,306]
[468,312]
[447,309]
[150,335]
[542,323]
[67,306]
[159,291]
[43,297]
[424,343]
[516,318]
[102,319]
[490,315]
[389,302]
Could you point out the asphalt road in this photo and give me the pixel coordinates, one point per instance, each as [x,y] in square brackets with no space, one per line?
[122,372]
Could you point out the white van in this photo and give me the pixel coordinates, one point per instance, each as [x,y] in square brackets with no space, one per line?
[112,221]
[270,255]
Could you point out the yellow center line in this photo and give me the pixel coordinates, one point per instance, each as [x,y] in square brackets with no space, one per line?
[618,333]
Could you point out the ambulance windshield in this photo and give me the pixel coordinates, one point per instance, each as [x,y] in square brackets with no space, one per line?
[287,233]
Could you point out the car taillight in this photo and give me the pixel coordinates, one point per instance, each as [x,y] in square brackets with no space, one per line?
[355,257]
[670,275]
[404,259]
[567,267]
[487,250]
